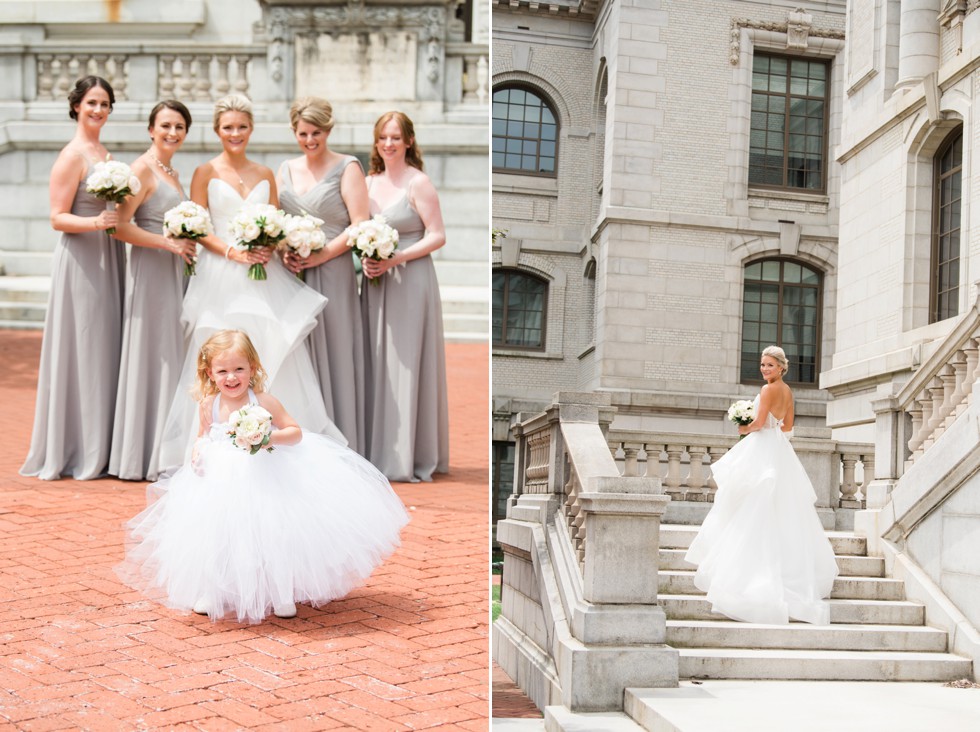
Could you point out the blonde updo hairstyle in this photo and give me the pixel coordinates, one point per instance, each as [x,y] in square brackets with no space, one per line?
[312,110]
[778,355]
[413,155]
[227,340]
[233,103]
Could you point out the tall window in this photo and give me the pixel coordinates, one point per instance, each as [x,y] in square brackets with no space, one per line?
[787,146]
[946,229]
[781,307]
[502,477]
[519,303]
[525,132]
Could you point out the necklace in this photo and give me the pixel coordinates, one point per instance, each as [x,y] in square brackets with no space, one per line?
[165,168]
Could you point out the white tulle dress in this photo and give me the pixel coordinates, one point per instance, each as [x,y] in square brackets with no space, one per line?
[304,523]
[762,554]
[277,314]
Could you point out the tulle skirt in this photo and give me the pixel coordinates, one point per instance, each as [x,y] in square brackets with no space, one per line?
[305,523]
[762,554]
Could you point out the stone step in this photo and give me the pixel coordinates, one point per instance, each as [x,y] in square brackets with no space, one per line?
[729,663]
[681,582]
[454,273]
[676,536]
[21,263]
[849,565]
[24,289]
[465,300]
[865,612]
[844,637]
[29,313]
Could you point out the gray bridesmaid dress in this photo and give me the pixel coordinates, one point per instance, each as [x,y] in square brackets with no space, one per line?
[152,345]
[336,343]
[405,400]
[77,376]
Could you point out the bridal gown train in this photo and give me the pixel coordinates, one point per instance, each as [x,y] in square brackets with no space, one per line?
[762,554]
[276,313]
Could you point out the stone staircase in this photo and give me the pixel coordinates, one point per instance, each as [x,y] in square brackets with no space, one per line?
[875,633]
[464,286]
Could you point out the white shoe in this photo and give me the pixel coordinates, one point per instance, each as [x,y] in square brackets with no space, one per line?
[201,607]
[286,610]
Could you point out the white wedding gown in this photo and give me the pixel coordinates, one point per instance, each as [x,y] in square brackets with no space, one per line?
[762,554]
[277,314]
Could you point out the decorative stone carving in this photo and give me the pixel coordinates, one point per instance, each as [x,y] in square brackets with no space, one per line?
[739,23]
[798,26]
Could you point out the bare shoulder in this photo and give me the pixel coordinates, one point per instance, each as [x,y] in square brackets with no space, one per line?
[267,401]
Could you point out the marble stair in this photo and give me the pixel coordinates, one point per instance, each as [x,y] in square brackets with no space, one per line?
[875,633]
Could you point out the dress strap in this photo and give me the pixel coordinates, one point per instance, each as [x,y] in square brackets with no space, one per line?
[252,399]
[214,409]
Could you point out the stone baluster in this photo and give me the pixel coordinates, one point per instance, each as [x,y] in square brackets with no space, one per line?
[64,78]
[935,390]
[848,486]
[921,414]
[673,482]
[469,79]
[972,350]
[958,397]
[948,380]
[630,452]
[202,90]
[166,82]
[714,453]
[482,80]
[101,61]
[45,76]
[574,516]
[241,82]
[120,82]
[222,85]
[695,479]
[536,474]
[868,463]
[186,81]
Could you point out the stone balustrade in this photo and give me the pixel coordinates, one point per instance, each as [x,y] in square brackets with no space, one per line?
[468,73]
[177,72]
[683,463]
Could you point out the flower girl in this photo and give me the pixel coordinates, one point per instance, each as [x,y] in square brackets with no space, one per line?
[264,515]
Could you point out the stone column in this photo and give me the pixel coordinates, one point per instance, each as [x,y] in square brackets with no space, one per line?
[890,450]
[918,49]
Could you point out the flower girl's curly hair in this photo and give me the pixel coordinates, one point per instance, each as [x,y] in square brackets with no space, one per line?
[413,155]
[227,340]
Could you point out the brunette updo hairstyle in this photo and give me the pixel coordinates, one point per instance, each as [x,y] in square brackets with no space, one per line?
[312,110]
[413,155]
[82,87]
[778,355]
[233,103]
[173,104]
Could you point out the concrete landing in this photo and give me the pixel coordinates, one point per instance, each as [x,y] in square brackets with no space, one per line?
[805,706]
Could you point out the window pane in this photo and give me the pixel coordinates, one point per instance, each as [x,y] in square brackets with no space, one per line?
[517,130]
[519,306]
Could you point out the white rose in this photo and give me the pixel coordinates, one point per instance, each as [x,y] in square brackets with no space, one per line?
[242,443]
[255,438]
[386,249]
[251,232]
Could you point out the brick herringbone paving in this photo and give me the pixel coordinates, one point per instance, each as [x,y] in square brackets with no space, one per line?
[79,650]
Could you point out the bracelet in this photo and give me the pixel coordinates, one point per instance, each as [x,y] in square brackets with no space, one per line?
[228,253]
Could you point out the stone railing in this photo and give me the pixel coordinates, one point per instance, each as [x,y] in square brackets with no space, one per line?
[580,619]
[467,73]
[683,463]
[138,71]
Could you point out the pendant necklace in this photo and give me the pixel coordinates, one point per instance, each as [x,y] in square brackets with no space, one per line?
[165,168]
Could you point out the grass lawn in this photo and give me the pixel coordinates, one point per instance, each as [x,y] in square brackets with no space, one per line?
[496,601]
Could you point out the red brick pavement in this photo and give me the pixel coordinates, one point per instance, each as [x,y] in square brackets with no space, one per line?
[78,650]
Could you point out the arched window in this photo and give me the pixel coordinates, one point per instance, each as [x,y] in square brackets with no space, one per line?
[781,306]
[525,132]
[945,276]
[519,309]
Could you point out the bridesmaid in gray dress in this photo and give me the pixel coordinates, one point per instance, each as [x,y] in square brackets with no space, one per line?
[406,401]
[331,187]
[152,340]
[76,387]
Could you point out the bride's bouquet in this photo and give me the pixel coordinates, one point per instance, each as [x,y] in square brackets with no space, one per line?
[251,428]
[373,239]
[304,235]
[113,182]
[255,226]
[187,220]
[742,412]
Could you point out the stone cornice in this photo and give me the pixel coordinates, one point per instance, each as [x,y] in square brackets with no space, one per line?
[797,31]
[578,9]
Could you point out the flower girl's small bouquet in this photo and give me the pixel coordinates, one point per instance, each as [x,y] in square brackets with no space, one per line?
[187,220]
[373,239]
[113,182]
[304,235]
[742,412]
[256,226]
[251,428]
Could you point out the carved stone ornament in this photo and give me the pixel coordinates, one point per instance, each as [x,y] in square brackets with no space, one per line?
[952,12]
[739,23]
[353,16]
[798,26]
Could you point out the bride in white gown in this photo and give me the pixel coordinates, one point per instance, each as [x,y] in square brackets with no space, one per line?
[277,313]
[762,554]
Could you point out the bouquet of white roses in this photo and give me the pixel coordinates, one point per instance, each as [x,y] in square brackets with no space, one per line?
[304,235]
[256,226]
[251,427]
[112,181]
[373,239]
[187,220]
[742,412]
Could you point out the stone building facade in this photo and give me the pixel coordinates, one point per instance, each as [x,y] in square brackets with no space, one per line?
[645,234]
